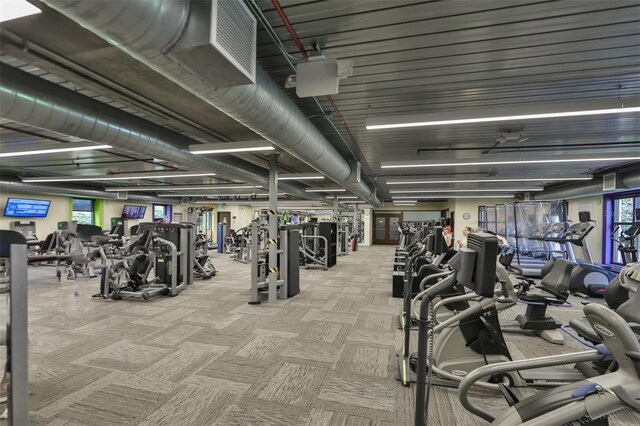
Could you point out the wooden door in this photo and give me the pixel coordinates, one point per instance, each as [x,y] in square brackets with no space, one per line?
[385,228]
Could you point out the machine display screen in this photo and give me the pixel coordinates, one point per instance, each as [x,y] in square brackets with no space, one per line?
[22,207]
[133,212]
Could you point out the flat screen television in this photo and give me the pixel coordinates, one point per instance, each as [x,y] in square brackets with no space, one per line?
[24,207]
[133,212]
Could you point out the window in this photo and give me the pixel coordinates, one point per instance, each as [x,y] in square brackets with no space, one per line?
[82,211]
[161,211]
[620,215]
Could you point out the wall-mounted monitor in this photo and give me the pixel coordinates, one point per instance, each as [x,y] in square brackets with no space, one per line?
[133,212]
[24,207]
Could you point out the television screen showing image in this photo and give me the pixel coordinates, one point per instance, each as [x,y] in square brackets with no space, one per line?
[133,212]
[23,207]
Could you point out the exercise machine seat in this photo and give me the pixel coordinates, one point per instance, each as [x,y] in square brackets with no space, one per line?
[559,276]
[583,327]
[100,239]
[615,295]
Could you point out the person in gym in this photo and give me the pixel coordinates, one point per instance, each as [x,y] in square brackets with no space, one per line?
[448,236]
[462,242]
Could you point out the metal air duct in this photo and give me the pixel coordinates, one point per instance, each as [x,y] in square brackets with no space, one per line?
[13,185]
[149,30]
[31,100]
[593,187]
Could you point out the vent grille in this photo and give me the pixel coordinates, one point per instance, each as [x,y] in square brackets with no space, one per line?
[609,182]
[235,34]
[122,195]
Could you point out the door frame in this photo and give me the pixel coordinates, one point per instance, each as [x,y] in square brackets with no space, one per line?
[387,217]
[220,218]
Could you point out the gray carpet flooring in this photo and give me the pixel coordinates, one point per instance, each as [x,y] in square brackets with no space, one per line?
[323,358]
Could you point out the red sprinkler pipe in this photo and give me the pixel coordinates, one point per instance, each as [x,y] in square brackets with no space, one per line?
[298,43]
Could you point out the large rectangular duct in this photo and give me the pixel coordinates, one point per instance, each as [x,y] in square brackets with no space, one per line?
[224,52]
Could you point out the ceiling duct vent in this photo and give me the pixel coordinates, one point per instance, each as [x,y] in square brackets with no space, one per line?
[223,53]
[122,195]
[611,182]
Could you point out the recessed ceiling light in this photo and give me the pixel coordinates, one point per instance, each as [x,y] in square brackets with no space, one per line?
[124,176]
[53,150]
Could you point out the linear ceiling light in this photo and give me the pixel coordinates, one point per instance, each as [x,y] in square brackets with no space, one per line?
[12,9]
[284,202]
[158,188]
[408,164]
[54,149]
[300,176]
[422,191]
[439,197]
[343,197]
[231,147]
[488,115]
[404,204]
[239,195]
[487,180]
[124,176]
[325,190]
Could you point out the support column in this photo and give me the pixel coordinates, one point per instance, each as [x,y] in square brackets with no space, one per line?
[354,225]
[273,228]
[334,213]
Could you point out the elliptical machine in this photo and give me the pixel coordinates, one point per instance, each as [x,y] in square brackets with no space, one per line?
[626,241]
[587,278]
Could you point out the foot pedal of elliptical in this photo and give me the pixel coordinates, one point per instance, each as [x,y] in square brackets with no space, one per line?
[511,398]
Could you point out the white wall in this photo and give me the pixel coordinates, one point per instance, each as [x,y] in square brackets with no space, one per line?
[58,212]
[594,239]
[460,206]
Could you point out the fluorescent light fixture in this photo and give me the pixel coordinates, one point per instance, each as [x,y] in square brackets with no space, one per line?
[281,203]
[343,197]
[421,191]
[404,204]
[53,148]
[231,147]
[300,176]
[488,115]
[12,9]
[406,201]
[439,197]
[124,176]
[325,190]
[158,188]
[506,161]
[224,195]
[487,180]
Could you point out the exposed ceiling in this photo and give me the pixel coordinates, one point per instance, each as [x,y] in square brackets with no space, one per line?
[412,57]
[409,57]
